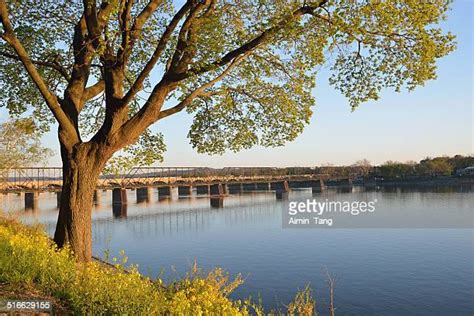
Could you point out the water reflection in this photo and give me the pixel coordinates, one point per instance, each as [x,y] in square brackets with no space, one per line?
[119,210]
[402,268]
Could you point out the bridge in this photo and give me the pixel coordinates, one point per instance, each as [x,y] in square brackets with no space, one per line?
[216,183]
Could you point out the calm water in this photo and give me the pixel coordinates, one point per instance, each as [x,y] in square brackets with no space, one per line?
[383,269]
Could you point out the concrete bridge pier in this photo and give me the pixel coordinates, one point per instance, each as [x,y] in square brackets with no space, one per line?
[345,185]
[317,186]
[216,189]
[225,188]
[344,190]
[217,202]
[184,190]
[281,195]
[202,189]
[164,192]
[119,210]
[280,186]
[281,189]
[143,194]
[217,195]
[31,200]
[97,197]
[119,196]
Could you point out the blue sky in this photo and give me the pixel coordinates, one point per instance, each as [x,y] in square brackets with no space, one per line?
[436,119]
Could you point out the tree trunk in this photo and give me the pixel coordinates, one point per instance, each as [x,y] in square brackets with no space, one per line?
[81,169]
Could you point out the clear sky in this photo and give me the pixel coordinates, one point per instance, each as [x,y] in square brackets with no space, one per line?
[436,119]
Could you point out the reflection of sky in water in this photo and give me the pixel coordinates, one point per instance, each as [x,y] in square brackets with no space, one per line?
[391,271]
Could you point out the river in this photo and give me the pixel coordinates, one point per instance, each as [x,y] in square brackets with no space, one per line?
[412,256]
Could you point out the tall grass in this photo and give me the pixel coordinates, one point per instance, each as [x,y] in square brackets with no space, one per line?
[29,259]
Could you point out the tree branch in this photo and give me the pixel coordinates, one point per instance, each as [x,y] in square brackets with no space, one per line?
[138,84]
[150,112]
[103,15]
[185,51]
[124,21]
[142,18]
[51,99]
[94,90]
[83,52]
[60,69]
[145,15]
[257,41]
[130,35]
[85,40]
[199,91]
[92,22]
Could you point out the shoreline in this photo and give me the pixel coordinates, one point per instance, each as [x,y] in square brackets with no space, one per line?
[423,182]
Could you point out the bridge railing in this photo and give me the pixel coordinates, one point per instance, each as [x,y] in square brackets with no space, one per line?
[30,178]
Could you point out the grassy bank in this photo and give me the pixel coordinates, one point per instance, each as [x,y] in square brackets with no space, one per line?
[32,266]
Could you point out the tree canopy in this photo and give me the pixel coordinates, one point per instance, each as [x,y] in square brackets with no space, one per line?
[106,70]
[244,69]
[20,144]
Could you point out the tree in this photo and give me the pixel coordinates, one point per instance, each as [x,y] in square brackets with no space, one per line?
[435,166]
[107,70]
[460,162]
[20,145]
[362,167]
[396,170]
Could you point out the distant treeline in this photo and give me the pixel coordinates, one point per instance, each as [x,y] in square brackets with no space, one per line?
[438,166]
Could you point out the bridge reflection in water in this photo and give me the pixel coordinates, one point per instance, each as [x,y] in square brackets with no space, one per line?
[176,222]
[168,217]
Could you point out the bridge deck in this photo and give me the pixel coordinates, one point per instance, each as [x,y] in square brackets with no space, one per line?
[50,178]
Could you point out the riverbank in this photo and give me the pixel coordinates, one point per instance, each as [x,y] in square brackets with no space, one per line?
[422,182]
[31,267]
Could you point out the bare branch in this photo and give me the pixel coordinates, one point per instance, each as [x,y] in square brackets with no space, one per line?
[331,281]
[94,90]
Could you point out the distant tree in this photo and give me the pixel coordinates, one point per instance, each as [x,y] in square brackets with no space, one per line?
[395,170]
[435,166]
[244,69]
[20,145]
[362,167]
[461,162]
